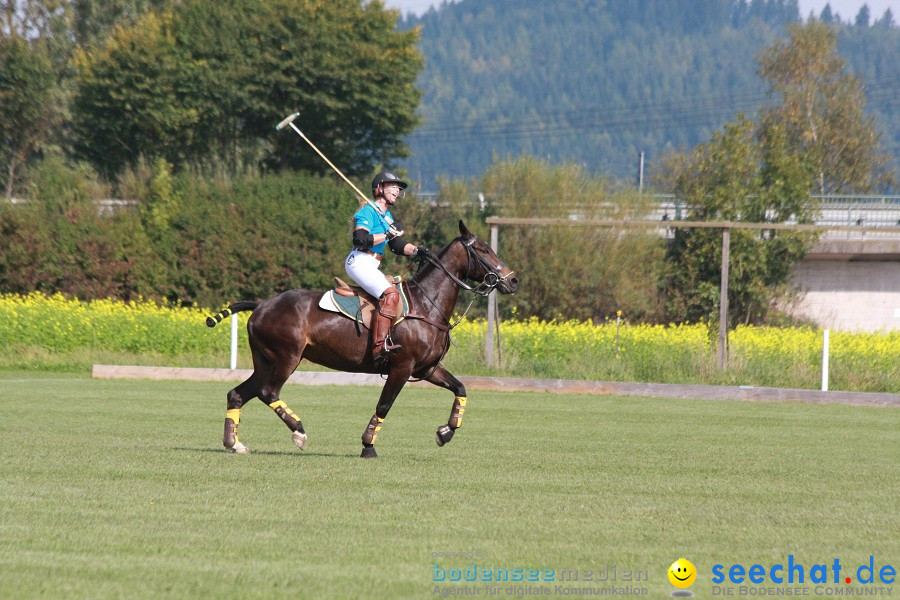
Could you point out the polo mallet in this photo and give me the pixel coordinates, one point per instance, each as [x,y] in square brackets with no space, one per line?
[290,121]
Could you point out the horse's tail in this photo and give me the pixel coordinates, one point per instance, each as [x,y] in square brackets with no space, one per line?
[234,308]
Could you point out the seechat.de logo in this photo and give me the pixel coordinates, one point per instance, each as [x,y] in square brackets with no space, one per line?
[682,574]
[794,572]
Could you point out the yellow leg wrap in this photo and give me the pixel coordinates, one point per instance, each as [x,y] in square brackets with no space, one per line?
[456,415]
[234,414]
[280,404]
[287,416]
[371,433]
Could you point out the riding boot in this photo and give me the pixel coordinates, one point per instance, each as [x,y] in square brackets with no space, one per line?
[388,306]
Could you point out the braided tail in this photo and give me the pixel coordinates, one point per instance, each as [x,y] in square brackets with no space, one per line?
[234,308]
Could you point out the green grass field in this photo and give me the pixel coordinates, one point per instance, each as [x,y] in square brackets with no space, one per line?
[120,489]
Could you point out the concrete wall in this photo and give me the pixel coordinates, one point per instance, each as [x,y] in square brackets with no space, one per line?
[862,295]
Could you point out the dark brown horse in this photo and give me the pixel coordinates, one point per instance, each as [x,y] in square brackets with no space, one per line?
[289,327]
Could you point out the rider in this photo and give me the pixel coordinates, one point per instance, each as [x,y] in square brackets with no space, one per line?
[374,228]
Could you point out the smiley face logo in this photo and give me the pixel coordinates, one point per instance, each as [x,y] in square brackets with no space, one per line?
[682,573]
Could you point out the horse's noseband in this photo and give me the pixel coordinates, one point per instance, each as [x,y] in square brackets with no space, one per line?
[492,276]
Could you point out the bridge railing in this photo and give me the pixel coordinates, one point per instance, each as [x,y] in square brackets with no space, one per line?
[837,211]
[871,211]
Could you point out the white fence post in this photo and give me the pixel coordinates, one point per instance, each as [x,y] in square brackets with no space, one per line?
[825,362]
[234,336]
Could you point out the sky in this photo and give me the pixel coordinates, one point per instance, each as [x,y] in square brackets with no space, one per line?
[416,7]
[846,8]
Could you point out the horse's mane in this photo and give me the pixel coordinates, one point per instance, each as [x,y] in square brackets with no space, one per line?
[425,265]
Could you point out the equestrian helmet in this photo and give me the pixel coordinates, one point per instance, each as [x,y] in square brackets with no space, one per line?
[383,178]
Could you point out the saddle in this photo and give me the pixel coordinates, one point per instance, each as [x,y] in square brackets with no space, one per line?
[355,303]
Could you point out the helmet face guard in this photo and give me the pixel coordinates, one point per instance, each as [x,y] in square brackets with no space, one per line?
[384,178]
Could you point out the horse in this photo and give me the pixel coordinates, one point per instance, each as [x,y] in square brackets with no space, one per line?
[290,327]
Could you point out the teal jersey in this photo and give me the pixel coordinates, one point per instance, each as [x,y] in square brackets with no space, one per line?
[369,218]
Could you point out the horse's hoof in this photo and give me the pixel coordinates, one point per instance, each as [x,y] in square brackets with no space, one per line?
[368,452]
[443,435]
[239,448]
[299,439]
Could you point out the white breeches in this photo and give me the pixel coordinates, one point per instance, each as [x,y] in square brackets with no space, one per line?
[363,269]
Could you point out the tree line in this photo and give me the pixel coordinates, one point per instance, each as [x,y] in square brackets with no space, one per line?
[598,83]
[203,83]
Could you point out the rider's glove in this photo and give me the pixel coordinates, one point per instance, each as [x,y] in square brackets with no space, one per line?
[395,230]
[422,251]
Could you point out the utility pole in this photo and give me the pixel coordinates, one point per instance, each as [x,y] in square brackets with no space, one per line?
[641,173]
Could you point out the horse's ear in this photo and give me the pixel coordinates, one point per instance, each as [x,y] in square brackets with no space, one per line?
[463,230]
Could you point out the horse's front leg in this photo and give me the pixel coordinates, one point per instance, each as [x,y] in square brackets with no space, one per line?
[441,377]
[237,397]
[396,379]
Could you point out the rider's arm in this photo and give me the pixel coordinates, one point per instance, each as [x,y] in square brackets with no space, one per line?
[400,246]
[363,239]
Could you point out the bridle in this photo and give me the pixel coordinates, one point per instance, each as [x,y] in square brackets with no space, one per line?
[492,277]
[491,280]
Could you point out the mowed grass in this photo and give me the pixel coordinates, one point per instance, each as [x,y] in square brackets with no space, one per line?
[120,489]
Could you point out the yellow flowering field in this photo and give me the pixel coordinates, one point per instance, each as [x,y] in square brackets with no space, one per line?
[685,353]
[35,329]
[59,325]
[583,350]
[866,361]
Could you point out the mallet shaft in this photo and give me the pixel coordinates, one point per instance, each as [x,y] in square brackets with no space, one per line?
[331,164]
[290,121]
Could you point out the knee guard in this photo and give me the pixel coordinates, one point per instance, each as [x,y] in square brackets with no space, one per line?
[389,303]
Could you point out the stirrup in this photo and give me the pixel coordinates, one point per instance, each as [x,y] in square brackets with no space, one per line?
[386,352]
[387,346]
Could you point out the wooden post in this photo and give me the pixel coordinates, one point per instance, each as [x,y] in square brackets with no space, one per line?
[723,298]
[491,309]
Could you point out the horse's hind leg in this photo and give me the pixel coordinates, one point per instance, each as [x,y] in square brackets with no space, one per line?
[247,390]
[270,395]
[441,377]
[290,418]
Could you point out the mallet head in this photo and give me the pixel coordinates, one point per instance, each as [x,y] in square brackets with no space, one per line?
[287,121]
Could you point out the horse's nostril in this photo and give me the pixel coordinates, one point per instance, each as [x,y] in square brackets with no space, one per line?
[514,283]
